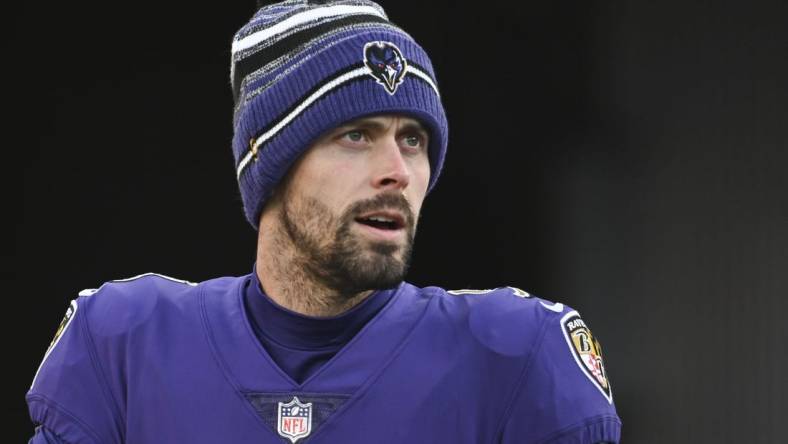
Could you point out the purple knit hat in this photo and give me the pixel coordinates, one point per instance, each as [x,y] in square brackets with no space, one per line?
[300,68]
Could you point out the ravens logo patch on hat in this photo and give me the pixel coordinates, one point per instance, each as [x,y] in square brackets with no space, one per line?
[384,62]
[587,352]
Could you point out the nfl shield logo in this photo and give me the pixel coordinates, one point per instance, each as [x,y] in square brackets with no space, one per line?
[294,419]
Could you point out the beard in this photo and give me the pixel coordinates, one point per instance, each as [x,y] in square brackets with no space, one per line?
[337,257]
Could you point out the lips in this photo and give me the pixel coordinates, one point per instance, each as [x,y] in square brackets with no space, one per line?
[389,220]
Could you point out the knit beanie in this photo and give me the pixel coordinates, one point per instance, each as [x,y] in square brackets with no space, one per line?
[301,68]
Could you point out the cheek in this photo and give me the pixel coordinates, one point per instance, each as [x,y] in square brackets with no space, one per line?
[328,184]
[420,179]
[344,170]
[421,174]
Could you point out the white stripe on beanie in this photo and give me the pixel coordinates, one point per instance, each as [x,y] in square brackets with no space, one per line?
[325,89]
[303,105]
[299,19]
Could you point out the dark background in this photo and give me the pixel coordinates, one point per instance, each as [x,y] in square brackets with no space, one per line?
[625,158]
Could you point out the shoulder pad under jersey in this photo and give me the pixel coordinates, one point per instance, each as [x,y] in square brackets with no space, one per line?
[507,320]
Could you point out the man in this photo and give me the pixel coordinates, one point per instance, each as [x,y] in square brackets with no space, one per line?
[339,135]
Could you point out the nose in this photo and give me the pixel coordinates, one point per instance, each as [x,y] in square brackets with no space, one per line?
[391,168]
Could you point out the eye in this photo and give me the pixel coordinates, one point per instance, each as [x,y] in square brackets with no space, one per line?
[414,141]
[354,136]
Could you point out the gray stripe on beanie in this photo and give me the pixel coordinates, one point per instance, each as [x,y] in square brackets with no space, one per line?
[306,51]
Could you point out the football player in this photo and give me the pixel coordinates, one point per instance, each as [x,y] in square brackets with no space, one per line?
[339,134]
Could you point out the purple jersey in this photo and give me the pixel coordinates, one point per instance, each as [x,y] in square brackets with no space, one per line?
[300,345]
[157,360]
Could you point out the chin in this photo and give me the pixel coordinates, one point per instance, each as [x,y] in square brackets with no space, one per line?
[380,267]
[386,249]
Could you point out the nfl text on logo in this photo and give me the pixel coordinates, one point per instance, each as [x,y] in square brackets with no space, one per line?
[294,419]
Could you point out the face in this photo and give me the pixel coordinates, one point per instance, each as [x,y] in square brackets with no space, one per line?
[351,203]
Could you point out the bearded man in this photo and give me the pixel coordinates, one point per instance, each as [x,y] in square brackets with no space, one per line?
[339,135]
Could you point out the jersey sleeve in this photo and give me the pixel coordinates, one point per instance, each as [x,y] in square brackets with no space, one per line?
[45,436]
[564,395]
[68,396]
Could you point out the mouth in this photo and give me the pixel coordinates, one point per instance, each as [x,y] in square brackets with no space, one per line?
[385,224]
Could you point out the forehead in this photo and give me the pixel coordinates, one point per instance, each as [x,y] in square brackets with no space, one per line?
[384,121]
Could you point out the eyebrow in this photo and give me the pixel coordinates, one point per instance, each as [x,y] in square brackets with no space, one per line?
[413,125]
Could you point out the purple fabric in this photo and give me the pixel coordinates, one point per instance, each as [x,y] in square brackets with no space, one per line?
[45,436]
[300,345]
[152,360]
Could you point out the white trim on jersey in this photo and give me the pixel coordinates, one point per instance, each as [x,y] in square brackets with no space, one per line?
[556,307]
[92,291]
[163,276]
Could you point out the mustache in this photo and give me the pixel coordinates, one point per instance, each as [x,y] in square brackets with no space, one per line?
[384,201]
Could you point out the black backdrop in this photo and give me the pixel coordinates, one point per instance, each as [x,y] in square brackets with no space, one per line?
[625,158]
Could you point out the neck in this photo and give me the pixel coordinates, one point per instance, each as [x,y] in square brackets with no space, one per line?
[287,281]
